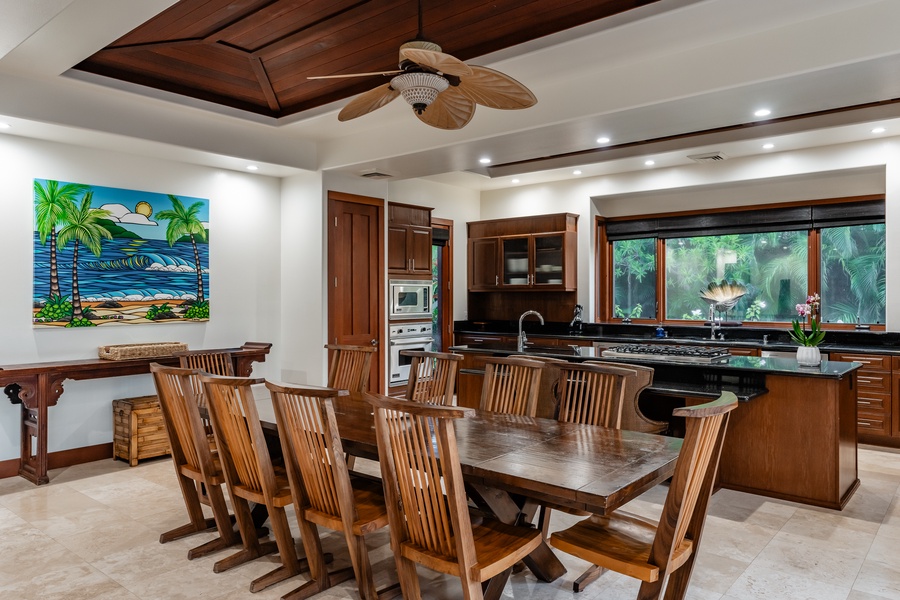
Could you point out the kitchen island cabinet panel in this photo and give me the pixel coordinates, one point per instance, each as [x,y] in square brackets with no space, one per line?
[808,451]
[876,397]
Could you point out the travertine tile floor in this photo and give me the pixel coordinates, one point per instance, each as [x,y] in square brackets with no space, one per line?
[92,533]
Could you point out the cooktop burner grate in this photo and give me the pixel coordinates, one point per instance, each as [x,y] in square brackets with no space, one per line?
[669,352]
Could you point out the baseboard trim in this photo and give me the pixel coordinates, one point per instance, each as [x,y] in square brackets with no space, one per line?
[62,458]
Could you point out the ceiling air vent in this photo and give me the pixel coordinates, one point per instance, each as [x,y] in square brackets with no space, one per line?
[376,175]
[709,157]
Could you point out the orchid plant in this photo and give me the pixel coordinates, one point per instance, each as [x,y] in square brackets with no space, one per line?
[809,312]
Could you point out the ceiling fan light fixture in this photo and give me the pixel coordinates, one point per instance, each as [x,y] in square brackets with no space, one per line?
[419,89]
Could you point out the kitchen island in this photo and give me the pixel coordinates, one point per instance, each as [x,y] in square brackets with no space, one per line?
[793,436]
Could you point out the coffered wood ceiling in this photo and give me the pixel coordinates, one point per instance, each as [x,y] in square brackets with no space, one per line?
[256,55]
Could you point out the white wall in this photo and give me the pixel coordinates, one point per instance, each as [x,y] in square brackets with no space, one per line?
[860,168]
[245,288]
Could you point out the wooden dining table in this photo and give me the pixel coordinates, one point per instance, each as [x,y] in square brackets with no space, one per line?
[513,462]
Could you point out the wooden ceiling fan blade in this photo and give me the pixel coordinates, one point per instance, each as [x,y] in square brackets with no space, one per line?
[450,110]
[368,101]
[439,61]
[385,73]
[496,90]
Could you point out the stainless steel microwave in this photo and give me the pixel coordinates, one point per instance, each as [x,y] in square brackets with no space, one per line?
[410,299]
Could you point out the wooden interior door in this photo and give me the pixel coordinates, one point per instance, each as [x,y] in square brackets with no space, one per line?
[356,311]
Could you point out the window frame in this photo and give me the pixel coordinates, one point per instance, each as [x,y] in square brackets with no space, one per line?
[604,258]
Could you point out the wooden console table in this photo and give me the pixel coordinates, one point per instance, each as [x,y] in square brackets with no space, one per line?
[38,386]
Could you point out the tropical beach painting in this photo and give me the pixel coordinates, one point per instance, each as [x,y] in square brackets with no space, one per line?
[106,256]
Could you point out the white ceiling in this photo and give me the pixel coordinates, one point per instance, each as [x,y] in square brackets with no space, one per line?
[674,67]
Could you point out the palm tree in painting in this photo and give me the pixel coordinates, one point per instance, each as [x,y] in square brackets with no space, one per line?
[82,227]
[184,222]
[51,205]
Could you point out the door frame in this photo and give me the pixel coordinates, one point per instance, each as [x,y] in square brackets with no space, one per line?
[446,312]
[378,293]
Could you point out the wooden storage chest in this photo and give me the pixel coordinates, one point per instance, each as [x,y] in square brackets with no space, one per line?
[138,429]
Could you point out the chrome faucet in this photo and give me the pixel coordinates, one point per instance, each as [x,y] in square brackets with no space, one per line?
[713,322]
[523,339]
[576,323]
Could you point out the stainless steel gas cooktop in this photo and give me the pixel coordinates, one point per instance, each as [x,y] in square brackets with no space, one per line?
[669,353]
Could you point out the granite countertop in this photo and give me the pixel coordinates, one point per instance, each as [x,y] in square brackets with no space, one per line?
[734,364]
[867,342]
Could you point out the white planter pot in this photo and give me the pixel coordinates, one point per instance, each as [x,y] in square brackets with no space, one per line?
[808,356]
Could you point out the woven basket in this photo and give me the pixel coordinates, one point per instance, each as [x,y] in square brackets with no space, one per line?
[148,350]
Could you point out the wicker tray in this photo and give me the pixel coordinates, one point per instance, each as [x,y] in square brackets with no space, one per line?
[148,350]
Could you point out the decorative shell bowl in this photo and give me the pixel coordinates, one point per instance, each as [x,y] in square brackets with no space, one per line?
[723,295]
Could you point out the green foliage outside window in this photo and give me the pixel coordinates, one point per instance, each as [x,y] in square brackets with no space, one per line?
[773,266]
[853,274]
[634,275]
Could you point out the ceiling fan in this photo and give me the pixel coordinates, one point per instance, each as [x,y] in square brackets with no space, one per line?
[441,89]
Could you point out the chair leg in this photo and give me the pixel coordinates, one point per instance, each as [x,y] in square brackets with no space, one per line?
[316,560]
[290,563]
[223,523]
[409,579]
[362,567]
[493,588]
[197,521]
[589,576]
[252,548]
[651,591]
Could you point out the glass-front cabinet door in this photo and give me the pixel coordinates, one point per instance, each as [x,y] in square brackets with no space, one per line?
[548,259]
[516,264]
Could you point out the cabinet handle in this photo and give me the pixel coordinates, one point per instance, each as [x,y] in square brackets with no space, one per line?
[496,280]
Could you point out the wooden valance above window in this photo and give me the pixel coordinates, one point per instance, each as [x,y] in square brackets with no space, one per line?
[748,221]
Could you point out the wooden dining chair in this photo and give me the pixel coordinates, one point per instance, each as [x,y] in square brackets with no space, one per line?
[432,376]
[194,463]
[592,394]
[426,500]
[323,492]
[511,385]
[250,475]
[214,362]
[661,554]
[349,367]
[633,419]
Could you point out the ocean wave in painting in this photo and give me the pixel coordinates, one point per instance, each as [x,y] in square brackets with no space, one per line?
[138,262]
[135,295]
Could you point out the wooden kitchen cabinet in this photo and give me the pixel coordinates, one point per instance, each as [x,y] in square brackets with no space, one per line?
[484,262]
[875,395]
[523,254]
[409,240]
[742,351]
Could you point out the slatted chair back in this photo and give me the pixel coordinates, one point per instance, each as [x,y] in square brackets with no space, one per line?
[308,430]
[432,376]
[592,394]
[421,472]
[633,419]
[511,385]
[232,409]
[214,362]
[249,471]
[320,480]
[349,367]
[192,457]
[661,555]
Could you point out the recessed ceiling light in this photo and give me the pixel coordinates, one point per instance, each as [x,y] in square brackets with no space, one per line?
[649,163]
[484,161]
[768,146]
[878,130]
[515,181]
[602,140]
[4,126]
[576,172]
[762,112]
[252,168]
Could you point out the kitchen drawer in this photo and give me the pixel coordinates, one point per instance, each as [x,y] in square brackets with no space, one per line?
[874,423]
[465,339]
[868,361]
[873,380]
[870,401]
[743,351]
